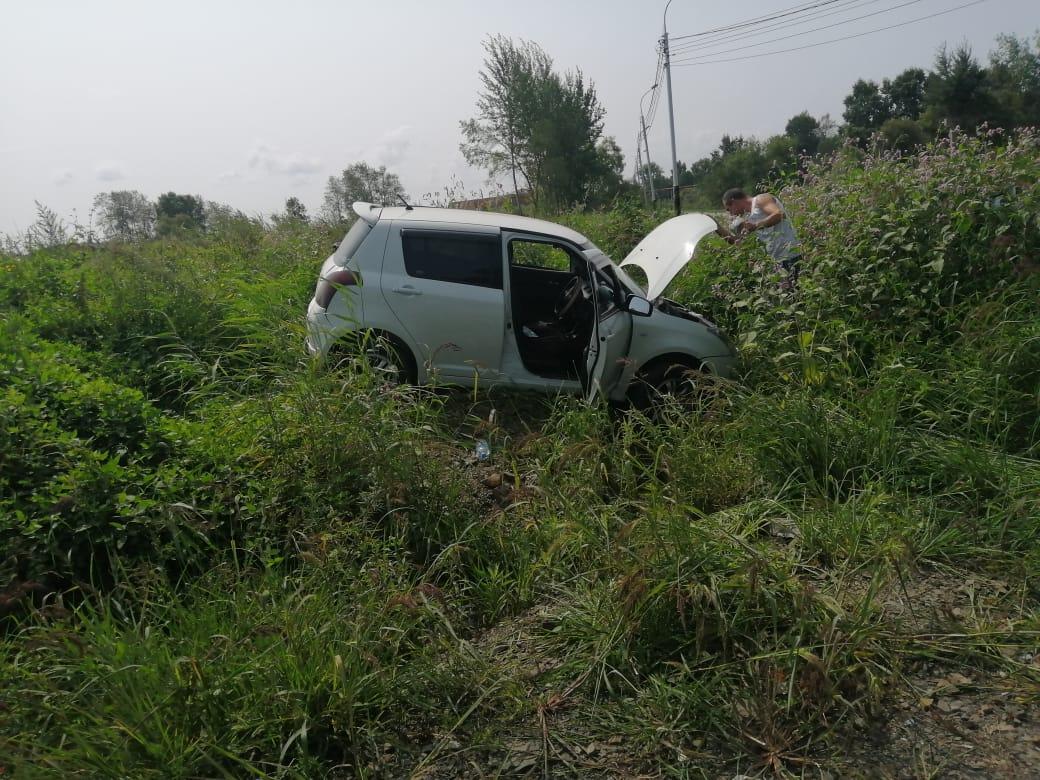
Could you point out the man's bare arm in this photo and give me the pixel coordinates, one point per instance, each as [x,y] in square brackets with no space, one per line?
[774,214]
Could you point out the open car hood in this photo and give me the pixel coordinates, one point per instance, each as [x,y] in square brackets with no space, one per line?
[668,248]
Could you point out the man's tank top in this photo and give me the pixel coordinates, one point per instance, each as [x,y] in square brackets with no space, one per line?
[780,240]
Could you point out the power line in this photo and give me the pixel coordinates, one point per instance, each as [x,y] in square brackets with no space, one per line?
[656,96]
[792,11]
[833,40]
[652,112]
[795,35]
[739,36]
[698,46]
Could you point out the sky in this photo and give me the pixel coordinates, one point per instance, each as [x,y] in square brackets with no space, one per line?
[250,102]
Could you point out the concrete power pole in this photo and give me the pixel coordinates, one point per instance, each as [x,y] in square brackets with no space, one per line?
[649,170]
[646,146]
[671,115]
[641,172]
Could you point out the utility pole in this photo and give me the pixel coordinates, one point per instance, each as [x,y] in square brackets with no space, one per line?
[649,170]
[671,115]
[646,146]
[640,171]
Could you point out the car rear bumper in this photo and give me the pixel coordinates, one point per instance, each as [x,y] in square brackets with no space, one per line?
[320,331]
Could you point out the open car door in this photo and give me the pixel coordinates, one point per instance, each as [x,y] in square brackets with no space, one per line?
[611,337]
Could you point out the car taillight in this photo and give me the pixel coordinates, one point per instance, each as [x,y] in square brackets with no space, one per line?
[327,286]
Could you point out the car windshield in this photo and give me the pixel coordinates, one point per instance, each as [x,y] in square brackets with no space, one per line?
[597,258]
[629,282]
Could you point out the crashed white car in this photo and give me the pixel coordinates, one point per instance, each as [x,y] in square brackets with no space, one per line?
[463,297]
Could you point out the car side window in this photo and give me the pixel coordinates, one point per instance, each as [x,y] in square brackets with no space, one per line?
[607,293]
[456,258]
[538,254]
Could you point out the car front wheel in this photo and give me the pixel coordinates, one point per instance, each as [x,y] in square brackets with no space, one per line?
[668,384]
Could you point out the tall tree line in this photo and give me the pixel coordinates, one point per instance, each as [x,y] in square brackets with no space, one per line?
[897,114]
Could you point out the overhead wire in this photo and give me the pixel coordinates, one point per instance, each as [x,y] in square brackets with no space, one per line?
[652,112]
[832,40]
[845,7]
[797,34]
[656,96]
[792,11]
[742,30]
[648,119]
[755,27]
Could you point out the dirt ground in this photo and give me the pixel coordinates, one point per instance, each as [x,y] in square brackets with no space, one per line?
[941,719]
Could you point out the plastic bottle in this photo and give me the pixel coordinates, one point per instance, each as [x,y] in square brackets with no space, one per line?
[482,450]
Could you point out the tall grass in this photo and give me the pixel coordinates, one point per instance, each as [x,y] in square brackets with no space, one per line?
[223,560]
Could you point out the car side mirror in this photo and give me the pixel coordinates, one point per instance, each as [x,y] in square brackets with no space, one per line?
[639,306]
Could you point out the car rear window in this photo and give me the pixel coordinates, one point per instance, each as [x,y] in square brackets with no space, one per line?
[352,241]
[460,259]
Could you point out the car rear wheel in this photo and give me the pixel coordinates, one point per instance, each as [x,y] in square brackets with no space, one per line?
[383,355]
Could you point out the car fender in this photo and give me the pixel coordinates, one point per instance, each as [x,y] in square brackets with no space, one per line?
[660,335]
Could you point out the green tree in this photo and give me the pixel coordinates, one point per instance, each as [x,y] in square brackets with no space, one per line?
[295,211]
[829,133]
[48,230]
[496,141]
[359,182]
[958,91]
[295,214]
[177,213]
[125,215]
[563,147]
[1014,73]
[660,180]
[729,145]
[866,109]
[739,162]
[903,135]
[610,171]
[232,224]
[804,130]
[534,124]
[905,93]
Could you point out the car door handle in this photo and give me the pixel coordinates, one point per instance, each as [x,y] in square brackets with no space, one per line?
[407,290]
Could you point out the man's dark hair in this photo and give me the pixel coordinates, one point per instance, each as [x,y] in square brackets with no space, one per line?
[732,195]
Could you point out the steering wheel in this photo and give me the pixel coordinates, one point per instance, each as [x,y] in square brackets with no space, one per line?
[575,290]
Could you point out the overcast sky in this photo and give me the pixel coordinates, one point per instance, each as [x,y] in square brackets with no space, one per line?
[247,103]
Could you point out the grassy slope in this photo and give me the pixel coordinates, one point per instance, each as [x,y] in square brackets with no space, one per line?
[301,574]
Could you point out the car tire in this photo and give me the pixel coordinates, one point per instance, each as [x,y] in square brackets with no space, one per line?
[665,385]
[383,355]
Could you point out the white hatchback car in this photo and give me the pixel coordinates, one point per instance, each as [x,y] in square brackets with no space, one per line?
[464,297]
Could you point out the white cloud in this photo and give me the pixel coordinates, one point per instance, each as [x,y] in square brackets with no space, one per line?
[109,171]
[62,177]
[272,160]
[229,176]
[392,147]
